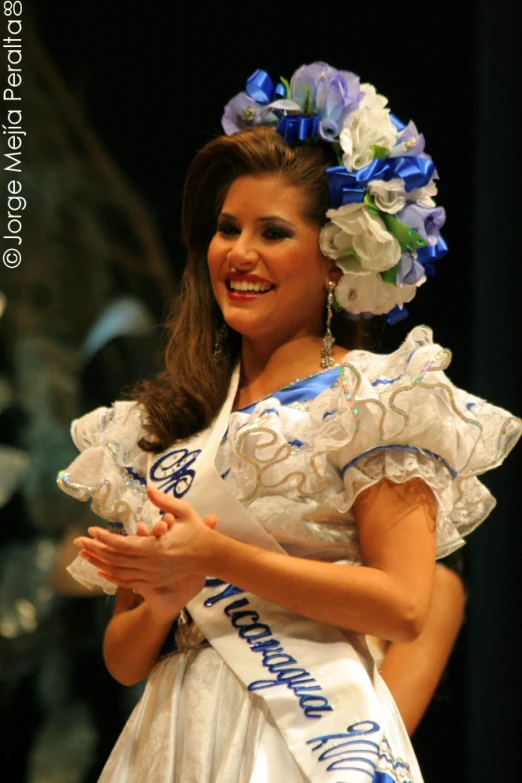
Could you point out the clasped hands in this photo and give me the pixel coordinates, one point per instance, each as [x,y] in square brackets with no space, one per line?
[174,556]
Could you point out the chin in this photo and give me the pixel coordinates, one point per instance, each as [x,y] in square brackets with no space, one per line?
[244,324]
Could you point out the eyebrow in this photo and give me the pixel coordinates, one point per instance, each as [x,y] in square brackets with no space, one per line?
[264,219]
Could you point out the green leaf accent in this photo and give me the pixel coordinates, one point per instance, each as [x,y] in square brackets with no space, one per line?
[286,85]
[406,235]
[379,152]
[370,203]
[336,306]
[339,153]
[390,276]
[308,100]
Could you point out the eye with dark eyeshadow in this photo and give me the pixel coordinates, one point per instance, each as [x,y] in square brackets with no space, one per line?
[276,233]
[227,228]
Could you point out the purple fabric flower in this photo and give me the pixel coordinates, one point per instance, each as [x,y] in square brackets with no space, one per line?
[338,95]
[243,112]
[409,271]
[251,106]
[414,142]
[310,76]
[427,221]
[334,94]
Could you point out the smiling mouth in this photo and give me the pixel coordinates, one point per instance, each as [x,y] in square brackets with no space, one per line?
[242,286]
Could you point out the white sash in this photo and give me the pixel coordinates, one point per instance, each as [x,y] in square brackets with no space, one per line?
[315,683]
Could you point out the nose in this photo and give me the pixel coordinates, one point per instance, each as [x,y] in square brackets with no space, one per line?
[243,253]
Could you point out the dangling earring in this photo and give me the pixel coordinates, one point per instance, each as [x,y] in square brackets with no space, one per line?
[328,339]
[221,335]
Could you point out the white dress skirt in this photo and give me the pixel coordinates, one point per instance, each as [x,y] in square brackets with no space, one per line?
[197,723]
[296,460]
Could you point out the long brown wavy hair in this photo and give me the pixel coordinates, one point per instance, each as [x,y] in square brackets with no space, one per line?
[187,395]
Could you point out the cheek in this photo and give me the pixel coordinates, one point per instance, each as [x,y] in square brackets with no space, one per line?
[214,259]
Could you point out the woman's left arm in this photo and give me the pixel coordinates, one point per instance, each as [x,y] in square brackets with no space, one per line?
[387,596]
[413,671]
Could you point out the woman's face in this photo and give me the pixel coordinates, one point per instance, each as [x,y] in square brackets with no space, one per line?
[268,274]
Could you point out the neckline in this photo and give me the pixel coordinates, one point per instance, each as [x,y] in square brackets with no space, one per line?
[293,383]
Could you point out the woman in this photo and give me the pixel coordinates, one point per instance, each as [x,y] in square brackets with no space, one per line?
[294,509]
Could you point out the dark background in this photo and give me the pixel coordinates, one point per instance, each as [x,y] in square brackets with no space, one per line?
[153,79]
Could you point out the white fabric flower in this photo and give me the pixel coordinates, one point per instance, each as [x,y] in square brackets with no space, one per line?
[388,196]
[371,98]
[423,196]
[368,293]
[334,242]
[376,248]
[363,129]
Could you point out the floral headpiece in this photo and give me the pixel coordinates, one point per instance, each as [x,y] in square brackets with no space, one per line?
[384,227]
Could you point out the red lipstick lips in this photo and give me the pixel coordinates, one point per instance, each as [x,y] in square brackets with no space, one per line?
[244,287]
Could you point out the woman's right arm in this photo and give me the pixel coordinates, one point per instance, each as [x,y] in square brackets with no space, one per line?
[134,637]
[140,623]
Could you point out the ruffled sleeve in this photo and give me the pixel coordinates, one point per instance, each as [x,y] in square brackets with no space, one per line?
[110,472]
[400,417]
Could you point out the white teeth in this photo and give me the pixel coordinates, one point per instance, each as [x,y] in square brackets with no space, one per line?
[242,285]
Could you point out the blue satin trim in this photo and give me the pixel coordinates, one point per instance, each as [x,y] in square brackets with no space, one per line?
[348,187]
[383,777]
[399,124]
[397,314]
[299,127]
[430,253]
[260,87]
[392,380]
[415,449]
[135,475]
[301,391]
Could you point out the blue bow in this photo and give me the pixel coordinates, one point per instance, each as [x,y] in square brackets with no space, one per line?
[260,87]
[299,127]
[430,253]
[348,187]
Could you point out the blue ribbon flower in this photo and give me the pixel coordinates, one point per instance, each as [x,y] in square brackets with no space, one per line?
[431,253]
[249,107]
[299,127]
[348,187]
[261,88]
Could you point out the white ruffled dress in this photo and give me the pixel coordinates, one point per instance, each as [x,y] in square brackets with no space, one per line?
[296,460]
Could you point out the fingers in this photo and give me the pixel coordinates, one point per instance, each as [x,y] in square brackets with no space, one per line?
[122,581]
[159,529]
[115,570]
[179,508]
[103,552]
[211,521]
[101,559]
[127,545]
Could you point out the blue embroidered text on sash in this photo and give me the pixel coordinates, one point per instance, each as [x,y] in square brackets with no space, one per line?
[353,751]
[173,473]
[286,669]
